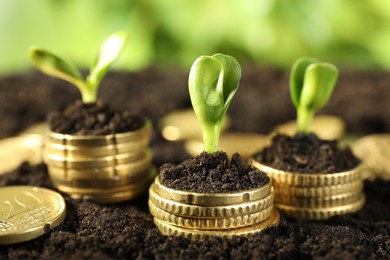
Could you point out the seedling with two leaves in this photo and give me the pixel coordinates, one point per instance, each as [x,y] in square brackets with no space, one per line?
[311,85]
[56,66]
[212,83]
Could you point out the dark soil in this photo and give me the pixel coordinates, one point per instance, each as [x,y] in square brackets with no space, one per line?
[212,173]
[306,153]
[126,231]
[93,119]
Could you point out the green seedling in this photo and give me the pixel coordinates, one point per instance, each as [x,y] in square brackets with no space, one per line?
[212,83]
[311,85]
[55,66]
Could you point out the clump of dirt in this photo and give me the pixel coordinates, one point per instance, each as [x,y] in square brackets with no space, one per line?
[306,153]
[93,119]
[212,173]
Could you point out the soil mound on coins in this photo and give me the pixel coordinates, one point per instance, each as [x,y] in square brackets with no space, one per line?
[306,154]
[126,231]
[93,119]
[212,173]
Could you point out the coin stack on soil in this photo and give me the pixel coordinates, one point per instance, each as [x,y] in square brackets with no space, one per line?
[317,196]
[203,215]
[105,169]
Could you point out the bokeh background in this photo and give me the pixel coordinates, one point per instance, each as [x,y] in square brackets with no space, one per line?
[172,33]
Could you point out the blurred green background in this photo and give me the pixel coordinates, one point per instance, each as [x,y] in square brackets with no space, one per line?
[172,33]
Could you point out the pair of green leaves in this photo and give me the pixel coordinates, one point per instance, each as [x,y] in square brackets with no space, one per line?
[311,85]
[212,83]
[55,66]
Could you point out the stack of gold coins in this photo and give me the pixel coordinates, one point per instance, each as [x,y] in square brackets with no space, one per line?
[106,169]
[317,196]
[203,215]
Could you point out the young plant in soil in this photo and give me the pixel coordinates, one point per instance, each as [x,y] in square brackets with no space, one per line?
[311,85]
[56,66]
[198,193]
[92,151]
[314,178]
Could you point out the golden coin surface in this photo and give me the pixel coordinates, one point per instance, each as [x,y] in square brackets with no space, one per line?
[322,213]
[209,223]
[228,211]
[245,144]
[319,191]
[114,196]
[15,150]
[183,125]
[72,151]
[311,179]
[72,188]
[327,127]
[100,140]
[118,172]
[374,150]
[97,163]
[36,129]
[319,202]
[27,212]
[114,182]
[198,234]
[211,199]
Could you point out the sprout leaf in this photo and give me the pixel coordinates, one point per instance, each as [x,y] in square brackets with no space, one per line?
[212,83]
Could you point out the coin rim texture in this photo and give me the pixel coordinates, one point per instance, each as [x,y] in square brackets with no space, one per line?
[228,211]
[311,179]
[73,151]
[317,192]
[100,140]
[36,230]
[95,162]
[197,234]
[319,202]
[209,223]
[212,199]
[322,213]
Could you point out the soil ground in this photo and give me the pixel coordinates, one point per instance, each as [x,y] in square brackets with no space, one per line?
[126,230]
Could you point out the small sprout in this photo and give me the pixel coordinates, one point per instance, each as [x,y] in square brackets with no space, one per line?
[212,83]
[311,85]
[55,66]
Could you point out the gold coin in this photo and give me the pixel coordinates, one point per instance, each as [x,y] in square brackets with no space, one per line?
[211,199]
[196,234]
[327,127]
[374,150]
[122,171]
[28,212]
[142,183]
[311,179]
[71,151]
[183,125]
[102,183]
[228,211]
[246,144]
[15,150]
[209,223]
[100,140]
[322,213]
[96,163]
[114,196]
[319,202]
[36,129]
[317,192]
